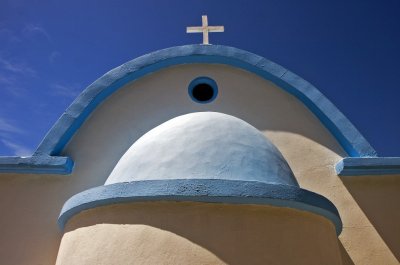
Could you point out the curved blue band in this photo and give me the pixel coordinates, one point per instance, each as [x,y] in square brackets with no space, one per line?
[63,130]
[202,190]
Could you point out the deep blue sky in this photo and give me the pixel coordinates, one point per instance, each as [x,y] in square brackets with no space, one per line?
[52,50]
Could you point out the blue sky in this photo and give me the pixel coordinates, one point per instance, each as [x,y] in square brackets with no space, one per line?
[51,50]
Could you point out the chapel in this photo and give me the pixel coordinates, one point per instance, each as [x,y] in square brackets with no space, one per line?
[201,154]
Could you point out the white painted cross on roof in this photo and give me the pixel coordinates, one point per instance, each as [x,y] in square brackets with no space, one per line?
[205,29]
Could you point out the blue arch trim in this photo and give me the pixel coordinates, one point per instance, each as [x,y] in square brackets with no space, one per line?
[202,190]
[63,130]
[68,124]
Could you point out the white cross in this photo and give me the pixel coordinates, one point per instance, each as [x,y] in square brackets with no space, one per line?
[205,29]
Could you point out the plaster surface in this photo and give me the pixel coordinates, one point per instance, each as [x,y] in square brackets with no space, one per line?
[198,233]
[351,140]
[157,98]
[202,190]
[32,203]
[379,199]
[362,242]
[203,145]
[362,166]
[70,122]
[37,164]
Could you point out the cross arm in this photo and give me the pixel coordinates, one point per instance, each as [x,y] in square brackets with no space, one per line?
[216,28]
[194,29]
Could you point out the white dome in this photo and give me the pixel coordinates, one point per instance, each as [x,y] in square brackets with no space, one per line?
[203,145]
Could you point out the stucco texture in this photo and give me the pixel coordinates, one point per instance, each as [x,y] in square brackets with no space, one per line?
[198,233]
[30,204]
[203,145]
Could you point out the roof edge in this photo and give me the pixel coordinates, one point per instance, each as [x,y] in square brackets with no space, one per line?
[76,114]
[70,121]
[362,166]
[201,190]
[36,164]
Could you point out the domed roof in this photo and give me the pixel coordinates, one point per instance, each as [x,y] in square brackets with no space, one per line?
[203,157]
[203,145]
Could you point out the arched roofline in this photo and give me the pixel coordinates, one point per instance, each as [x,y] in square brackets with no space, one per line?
[362,158]
[68,124]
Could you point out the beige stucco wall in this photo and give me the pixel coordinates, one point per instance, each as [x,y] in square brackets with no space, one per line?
[30,204]
[198,233]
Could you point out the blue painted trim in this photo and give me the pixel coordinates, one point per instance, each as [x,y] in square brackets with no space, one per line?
[356,166]
[36,165]
[201,190]
[76,114]
[203,80]
[63,130]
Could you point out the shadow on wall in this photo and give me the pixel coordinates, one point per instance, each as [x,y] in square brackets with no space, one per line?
[379,199]
[346,260]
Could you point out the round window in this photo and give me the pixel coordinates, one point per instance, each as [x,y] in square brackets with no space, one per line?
[203,90]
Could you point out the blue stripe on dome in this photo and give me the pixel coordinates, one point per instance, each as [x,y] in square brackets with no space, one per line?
[202,190]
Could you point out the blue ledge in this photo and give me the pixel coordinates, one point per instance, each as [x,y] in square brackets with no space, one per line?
[36,165]
[202,190]
[359,166]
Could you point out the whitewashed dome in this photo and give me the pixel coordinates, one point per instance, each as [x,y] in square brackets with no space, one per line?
[203,145]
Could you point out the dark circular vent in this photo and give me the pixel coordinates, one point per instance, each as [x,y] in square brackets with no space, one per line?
[203,90]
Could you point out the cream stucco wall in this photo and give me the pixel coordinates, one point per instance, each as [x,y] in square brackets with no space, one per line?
[198,233]
[154,99]
[30,204]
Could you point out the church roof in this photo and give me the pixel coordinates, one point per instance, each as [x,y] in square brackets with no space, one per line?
[203,157]
[344,131]
[48,158]
[203,145]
